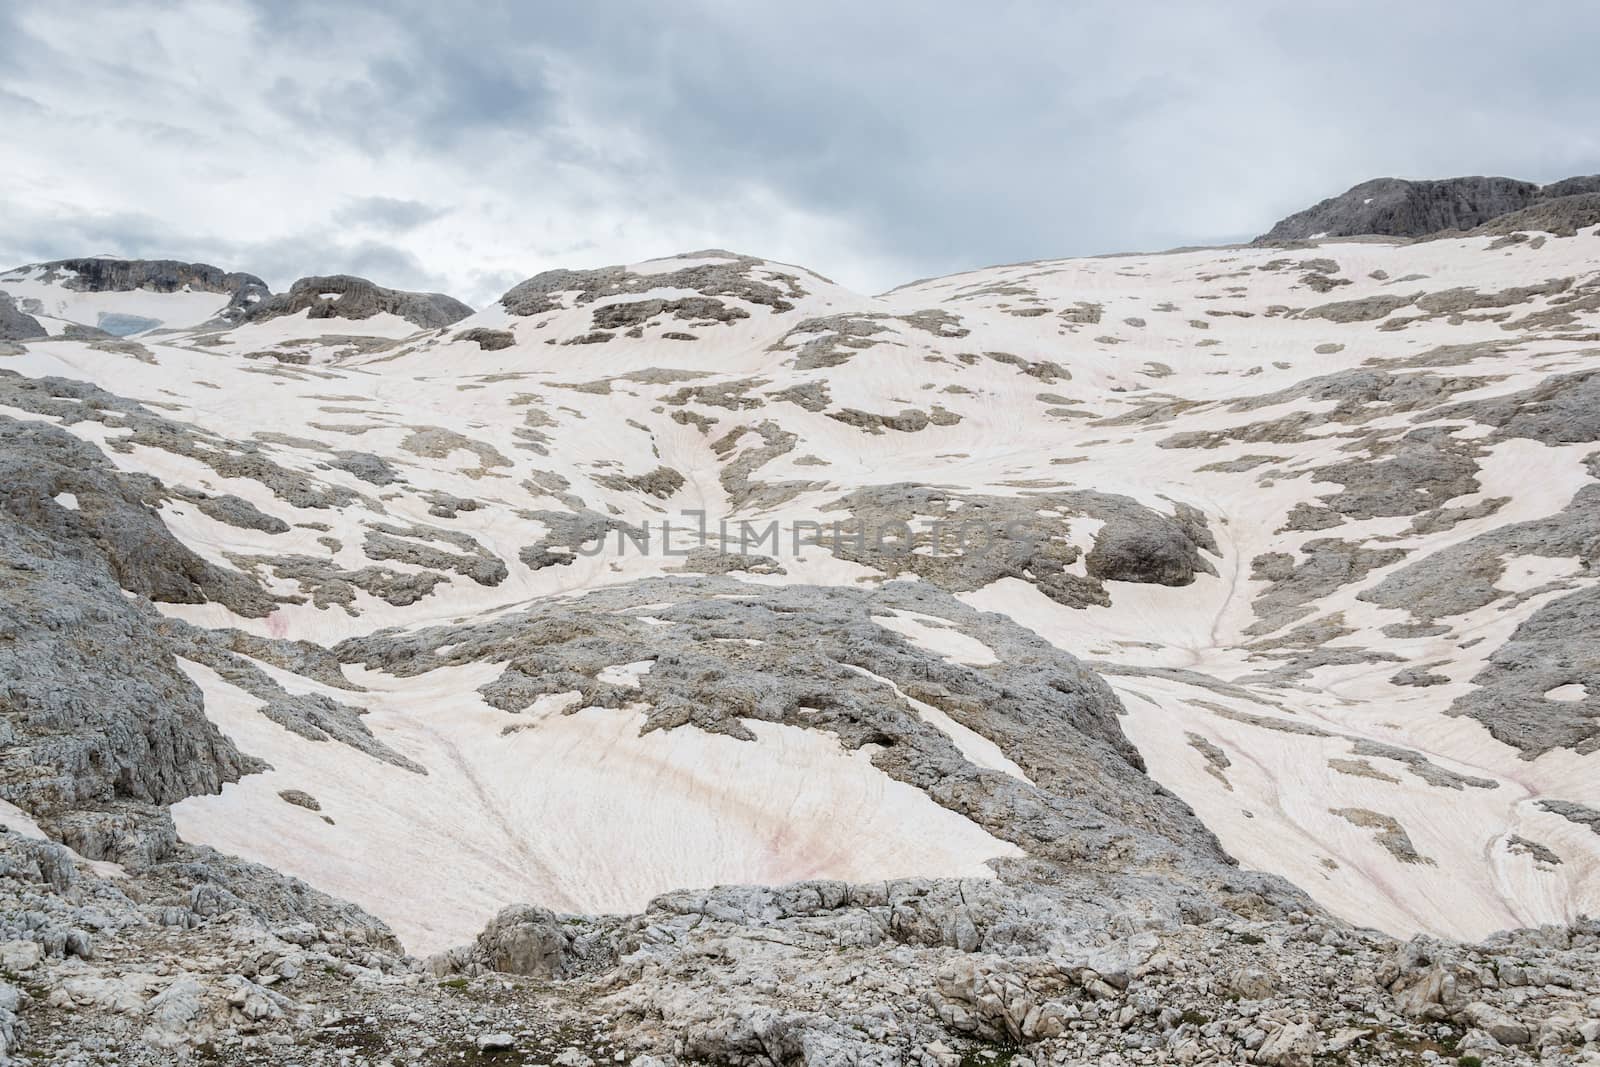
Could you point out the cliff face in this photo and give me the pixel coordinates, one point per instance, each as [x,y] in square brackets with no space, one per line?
[99,274]
[1396,207]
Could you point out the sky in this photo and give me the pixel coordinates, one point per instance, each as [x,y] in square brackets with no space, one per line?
[463,147]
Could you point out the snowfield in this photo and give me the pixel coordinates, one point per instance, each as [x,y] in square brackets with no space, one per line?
[1323,517]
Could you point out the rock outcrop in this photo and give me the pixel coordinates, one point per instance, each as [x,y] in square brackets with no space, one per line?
[95,709]
[104,274]
[15,324]
[342,296]
[1397,207]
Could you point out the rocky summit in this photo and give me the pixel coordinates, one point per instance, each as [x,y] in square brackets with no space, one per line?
[1184,658]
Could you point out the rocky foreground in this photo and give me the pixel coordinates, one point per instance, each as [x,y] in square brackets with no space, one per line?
[914,972]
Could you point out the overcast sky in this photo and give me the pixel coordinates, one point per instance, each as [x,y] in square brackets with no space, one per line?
[464,147]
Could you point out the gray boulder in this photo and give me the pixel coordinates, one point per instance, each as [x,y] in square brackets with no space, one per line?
[536,942]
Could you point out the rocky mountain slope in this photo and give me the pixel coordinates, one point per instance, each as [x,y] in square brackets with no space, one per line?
[1071,660]
[1396,207]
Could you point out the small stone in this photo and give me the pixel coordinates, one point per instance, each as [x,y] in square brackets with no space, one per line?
[496,1042]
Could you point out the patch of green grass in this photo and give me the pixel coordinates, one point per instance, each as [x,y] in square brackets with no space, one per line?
[454,983]
[1470,1061]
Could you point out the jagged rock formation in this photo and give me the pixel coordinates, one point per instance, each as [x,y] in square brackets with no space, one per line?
[1396,207]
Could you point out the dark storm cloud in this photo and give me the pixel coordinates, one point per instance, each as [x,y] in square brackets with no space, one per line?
[430,77]
[958,133]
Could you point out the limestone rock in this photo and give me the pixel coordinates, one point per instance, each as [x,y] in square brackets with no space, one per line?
[341,296]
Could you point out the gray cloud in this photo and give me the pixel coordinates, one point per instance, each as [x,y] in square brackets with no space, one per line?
[15,102]
[873,142]
[388,213]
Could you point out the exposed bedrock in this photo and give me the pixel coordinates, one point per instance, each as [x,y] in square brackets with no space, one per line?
[105,275]
[1137,544]
[94,707]
[965,541]
[1562,216]
[100,728]
[1397,207]
[1558,645]
[65,492]
[814,657]
[342,296]
[732,277]
[71,402]
[15,324]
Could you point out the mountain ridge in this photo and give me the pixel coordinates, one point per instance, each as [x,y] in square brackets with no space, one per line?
[1399,207]
[1408,208]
